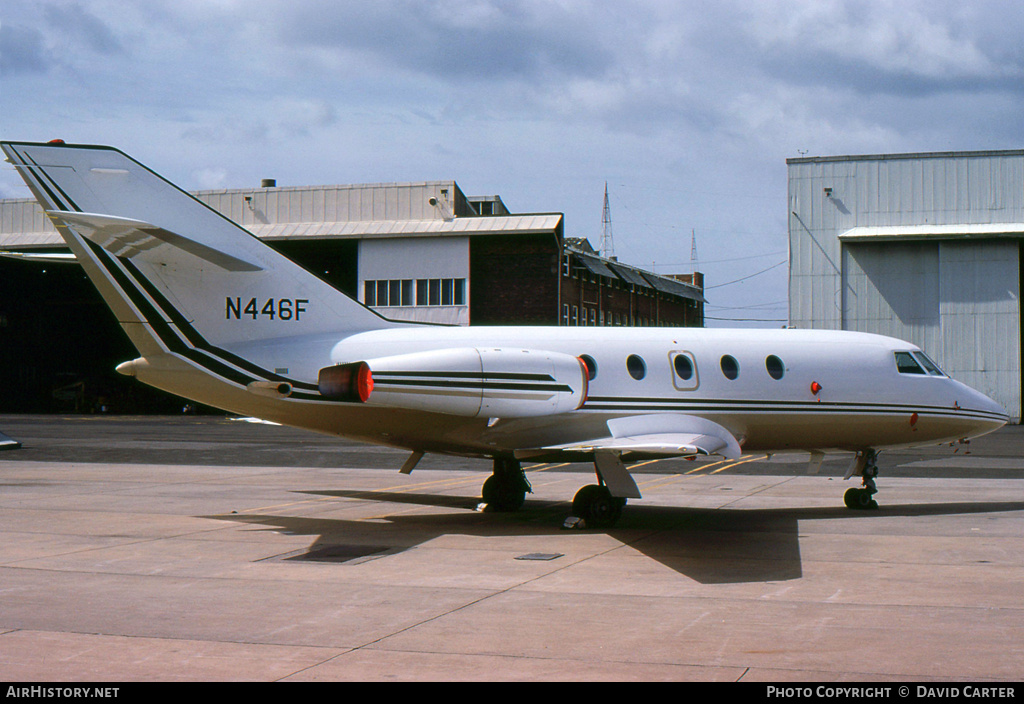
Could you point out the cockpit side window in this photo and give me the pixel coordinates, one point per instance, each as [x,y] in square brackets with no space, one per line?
[906,364]
[931,367]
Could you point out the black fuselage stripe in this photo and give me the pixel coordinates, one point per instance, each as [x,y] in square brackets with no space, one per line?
[475,385]
[515,376]
[787,409]
[742,404]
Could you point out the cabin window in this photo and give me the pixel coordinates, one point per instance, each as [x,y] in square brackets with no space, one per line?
[683,367]
[906,364]
[684,371]
[730,367]
[636,367]
[776,369]
[591,366]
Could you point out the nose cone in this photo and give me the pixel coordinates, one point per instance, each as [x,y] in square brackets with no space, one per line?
[981,414]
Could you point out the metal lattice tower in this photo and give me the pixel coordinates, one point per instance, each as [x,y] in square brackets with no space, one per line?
[607,244]
[693,251]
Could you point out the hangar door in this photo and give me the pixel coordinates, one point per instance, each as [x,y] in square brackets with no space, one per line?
[958,300]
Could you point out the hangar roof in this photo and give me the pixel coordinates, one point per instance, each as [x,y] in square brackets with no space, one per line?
[376,229]
[933,232]
[367,211]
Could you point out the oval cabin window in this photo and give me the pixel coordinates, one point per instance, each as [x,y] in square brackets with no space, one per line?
[591,366]
[776,369]
[683,367]
[636,367]
[730,367]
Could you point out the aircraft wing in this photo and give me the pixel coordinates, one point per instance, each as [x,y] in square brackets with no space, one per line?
[660,434]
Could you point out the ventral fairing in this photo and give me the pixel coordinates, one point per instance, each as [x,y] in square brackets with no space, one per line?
[222,319]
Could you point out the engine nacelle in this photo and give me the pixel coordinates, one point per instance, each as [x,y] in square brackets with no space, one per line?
[467,381]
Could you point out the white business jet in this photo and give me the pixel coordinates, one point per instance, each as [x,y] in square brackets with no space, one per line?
[221,318]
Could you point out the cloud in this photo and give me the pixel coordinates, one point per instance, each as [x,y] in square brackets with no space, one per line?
[688,109]
[72,20]
[474,40]
[22,50]
[882,47]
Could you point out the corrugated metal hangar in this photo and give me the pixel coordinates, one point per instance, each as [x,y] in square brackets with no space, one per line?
[924,247]
[416,251]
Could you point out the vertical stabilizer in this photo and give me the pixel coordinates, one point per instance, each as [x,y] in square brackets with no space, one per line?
[174,271]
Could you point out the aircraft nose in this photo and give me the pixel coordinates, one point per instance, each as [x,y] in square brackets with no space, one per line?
[985,414]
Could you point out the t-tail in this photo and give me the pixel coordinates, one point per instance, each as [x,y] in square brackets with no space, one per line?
[194,291]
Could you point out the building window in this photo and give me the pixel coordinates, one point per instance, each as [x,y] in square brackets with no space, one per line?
[425,292]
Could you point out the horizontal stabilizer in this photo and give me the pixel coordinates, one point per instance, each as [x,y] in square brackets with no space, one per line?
[7,443]
[125,237]
[41,257]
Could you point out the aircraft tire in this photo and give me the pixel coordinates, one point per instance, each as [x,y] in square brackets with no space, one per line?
[503,494]
[859,499]
[597,507]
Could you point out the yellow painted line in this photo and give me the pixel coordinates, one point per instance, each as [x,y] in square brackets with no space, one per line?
[703,467]
[542,468]
[737,463]
[725,464]
[644,464]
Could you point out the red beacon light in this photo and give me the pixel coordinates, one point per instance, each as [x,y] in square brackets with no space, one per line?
[56,141]
[815,388]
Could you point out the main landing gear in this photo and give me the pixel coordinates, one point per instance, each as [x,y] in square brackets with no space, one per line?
[866,465]
[596,506]
[505,490]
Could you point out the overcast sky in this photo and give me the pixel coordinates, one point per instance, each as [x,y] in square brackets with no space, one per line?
[688,110]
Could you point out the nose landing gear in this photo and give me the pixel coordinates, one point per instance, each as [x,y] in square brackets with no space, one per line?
[505,490]
[866,465]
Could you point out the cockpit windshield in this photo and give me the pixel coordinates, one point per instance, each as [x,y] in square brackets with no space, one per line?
[928,364]
[916,362]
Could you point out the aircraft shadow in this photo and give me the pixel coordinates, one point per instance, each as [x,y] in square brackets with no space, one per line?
[710,546]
